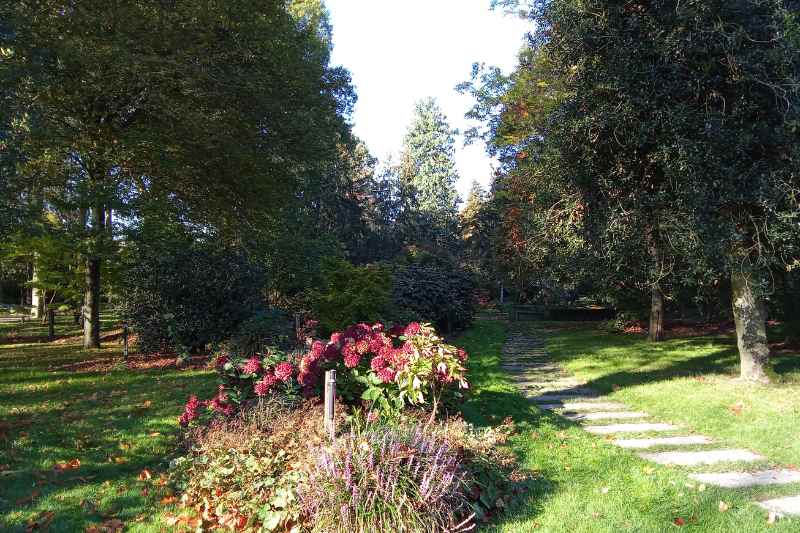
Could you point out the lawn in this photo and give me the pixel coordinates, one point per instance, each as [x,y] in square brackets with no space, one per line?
[586,484]
[78,430]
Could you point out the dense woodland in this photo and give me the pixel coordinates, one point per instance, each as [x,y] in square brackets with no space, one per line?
[195,161]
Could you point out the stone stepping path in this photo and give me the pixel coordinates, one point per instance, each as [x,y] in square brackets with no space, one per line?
[737,480]
[604,415]
[643,444]
[789,506]
[709,457]
[551,388]
[644,427]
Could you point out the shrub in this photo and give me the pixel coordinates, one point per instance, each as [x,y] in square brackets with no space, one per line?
[443,295]
[350,294]
[387,479]
[245,472]
[185,296]
[389,368]
[272,328]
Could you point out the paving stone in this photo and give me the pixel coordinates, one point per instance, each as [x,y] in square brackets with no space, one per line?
[605,415]
[629,428]
[701,458]
[551,398]
[584,406]
[643,444]
[735,480]
[789,506]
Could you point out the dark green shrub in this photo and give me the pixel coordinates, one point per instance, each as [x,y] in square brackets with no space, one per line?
[444,295]
[273,327]
[350,294]
[184,296]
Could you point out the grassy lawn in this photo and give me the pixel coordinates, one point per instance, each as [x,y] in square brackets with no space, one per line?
[73,442]
[586,484]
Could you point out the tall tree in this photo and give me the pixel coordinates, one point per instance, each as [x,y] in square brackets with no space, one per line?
[676,119]
[226,113]
[428,175]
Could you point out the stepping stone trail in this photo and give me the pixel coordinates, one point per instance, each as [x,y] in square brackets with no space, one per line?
[551,388]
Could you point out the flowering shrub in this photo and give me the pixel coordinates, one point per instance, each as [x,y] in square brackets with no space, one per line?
[388,367]
[387,479]
[243,379]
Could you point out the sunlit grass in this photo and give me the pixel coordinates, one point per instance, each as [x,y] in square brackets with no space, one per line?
[587,485]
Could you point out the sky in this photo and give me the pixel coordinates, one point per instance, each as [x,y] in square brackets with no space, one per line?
[401,51]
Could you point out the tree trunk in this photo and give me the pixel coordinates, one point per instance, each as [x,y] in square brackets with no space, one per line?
[91,307]
[749,313]
[791,307]
[656,331]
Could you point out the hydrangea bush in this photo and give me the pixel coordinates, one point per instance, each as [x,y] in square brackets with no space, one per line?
[389,368]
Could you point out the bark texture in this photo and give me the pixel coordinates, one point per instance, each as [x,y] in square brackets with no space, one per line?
[791,306]
[749,313]
[91,307]
[656,331]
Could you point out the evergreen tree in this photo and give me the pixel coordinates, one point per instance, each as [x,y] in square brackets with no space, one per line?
[428,175]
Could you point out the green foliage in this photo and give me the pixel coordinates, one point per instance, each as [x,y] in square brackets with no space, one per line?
[350,294]
[185,295]
[438,292]
[266,328]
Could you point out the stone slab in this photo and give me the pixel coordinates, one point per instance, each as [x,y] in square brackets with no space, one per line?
[629,428]
[736,480]
[551,398]
[789,506]
[605,415]
[584,406]
[643,444]
[701,458]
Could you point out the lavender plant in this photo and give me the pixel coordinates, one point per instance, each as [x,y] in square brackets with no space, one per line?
[388,479]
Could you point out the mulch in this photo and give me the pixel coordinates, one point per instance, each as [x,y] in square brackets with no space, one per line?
[138,362]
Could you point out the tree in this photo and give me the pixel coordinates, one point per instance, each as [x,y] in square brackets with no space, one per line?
[226,114]
[428,176]
[674,119]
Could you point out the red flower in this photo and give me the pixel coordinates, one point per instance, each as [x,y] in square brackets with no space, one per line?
[462,355]
[336,337]
[386,375]
[252,366]
[378,363]
[377,327]
[221,360]
[262,387]
[191,410]
[352,359]
[331,352]
[412,329]
[362,346]
[317,348]
[284,371]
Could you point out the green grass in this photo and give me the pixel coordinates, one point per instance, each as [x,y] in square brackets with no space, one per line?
[116,423]
[586,484]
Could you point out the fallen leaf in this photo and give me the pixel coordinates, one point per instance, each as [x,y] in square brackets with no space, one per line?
[144,475]
[679,522]
[772,518]
[69,465]
[723,507]
[701,488]
[154,434]
[146,404]
[168,500]
[736,408]
[604,490]
[41,522]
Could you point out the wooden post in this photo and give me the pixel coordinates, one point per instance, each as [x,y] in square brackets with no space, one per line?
[330,396]
[125,342]
[51,327]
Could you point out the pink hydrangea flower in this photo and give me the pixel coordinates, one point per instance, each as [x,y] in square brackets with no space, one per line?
[284,371]
[191,410]
[378,363]
[386,374]
[412,329]
[263,386]
[317,348]
[352,359]
[362,346]
[252,366]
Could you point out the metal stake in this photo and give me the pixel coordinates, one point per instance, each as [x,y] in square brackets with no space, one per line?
[330,396]
[51,329]
[125,342]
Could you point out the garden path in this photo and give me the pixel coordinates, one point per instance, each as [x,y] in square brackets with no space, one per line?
[552,388]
